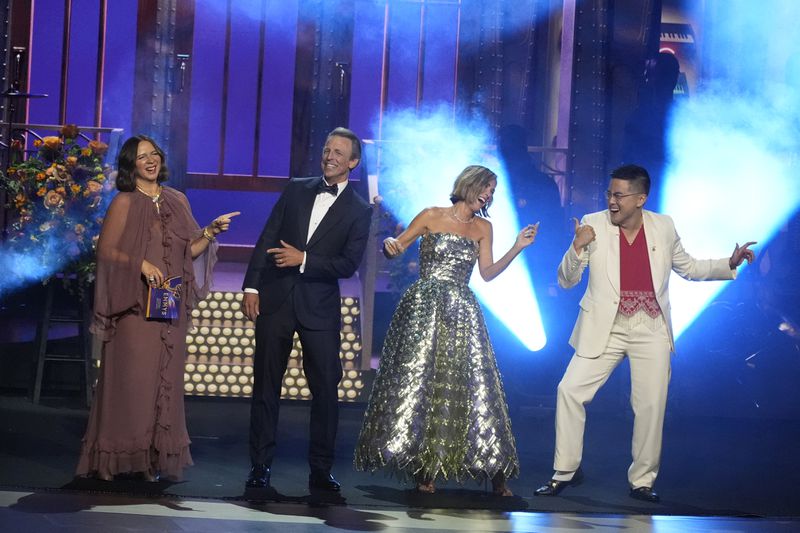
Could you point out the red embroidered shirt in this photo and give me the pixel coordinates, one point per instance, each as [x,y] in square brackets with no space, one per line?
[636,280]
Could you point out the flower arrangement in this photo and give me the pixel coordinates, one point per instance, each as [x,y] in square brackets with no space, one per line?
[58,195]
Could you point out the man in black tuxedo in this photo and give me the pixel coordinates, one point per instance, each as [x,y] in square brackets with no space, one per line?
[315,235]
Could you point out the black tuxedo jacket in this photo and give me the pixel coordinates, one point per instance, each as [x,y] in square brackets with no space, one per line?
[334,251]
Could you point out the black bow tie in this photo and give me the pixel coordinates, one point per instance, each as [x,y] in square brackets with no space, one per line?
[322,187]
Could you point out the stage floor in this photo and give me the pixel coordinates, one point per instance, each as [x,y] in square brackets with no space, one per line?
[717,474]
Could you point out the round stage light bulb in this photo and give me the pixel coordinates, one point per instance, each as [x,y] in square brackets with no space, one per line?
[294,371]
[301,381]
[191,348]
[247,390]
[189,367]
[294,353]
[208,378]
[236,389]
[305,392]
[186,377]
[237,350]
[212,388]
[341,394]
[239,296]
[350,336]
[222,340]
[347,384]
[248,351]
[288,381]
[217,313]
[349,356]
[214,350]
[202,368]
[238,332]
[293,391]
[351,394]
[227,332]
[228,314]
[283,391]
[213,305]
[345,346]
[197,378]
[224,305]
[224,389]
[226,350]
[205,330]
[188,387]
[248,370]
[219,378]
[195,313]
[200,387]
[236,369]
[203,349]
[225,369]
[206,313]
[213,369]
[355,311]
[244,341]
[348,301]
[352,374]
[344,310]
[231,379]
[199,340]
[202,304]
[202,359]
[359,384]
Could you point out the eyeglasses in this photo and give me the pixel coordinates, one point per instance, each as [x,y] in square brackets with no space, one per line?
[619,195]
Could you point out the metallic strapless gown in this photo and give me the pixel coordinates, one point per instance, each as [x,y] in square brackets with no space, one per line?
[437,408]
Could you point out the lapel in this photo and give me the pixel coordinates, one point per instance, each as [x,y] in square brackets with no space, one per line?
[305,207]
[653,237]
[336,212]
[613,258]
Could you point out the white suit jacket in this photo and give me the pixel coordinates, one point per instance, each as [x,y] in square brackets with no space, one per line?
[599,304]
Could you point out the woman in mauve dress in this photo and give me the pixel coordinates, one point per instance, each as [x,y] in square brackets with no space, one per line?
[137,422]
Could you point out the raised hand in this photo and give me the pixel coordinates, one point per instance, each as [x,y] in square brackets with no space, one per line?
[584,234]
[222,223]
[527,235]
[741,253]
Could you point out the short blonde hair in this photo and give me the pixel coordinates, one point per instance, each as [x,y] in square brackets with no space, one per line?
[470,183]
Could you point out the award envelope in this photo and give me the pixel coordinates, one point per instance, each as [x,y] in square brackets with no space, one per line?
[163,302]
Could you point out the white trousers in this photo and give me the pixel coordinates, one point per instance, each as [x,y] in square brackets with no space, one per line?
[649,354]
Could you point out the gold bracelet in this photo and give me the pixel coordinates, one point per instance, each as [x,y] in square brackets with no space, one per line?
[207,234]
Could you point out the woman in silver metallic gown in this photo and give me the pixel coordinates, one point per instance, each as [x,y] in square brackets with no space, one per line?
[437,408]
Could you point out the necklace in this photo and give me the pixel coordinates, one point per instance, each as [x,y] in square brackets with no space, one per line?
[453,215]
[155,197]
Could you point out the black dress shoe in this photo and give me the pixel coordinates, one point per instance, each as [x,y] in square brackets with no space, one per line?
[258,478]
[323,481]
[645,494]
[554,486]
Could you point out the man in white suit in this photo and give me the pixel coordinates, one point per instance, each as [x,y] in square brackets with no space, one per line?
[624,312]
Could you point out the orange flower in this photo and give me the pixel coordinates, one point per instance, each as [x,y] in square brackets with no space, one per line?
[61,191]
[75,188]
[52,142]
[20,200]
[93,187]
[86,151]
[53,200]
[72,161]
[69,131]
[37,143]
[12,170]
[40,175]
[98,147]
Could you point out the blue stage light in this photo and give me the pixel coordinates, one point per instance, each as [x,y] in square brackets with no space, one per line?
[733,144]
[420,157]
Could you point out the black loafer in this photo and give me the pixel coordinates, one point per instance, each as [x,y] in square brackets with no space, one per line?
[646,494]
[554,486]
[258,478]
[323,481]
